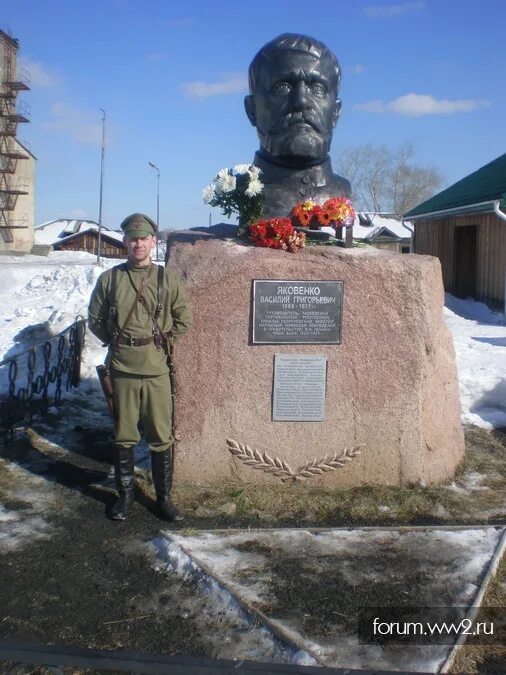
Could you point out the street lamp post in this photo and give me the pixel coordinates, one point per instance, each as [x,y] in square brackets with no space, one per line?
[153,166]
[101,187]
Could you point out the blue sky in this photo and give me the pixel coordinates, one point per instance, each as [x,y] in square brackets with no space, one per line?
[172,77]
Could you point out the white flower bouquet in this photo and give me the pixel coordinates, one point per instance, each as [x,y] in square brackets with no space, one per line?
[237,190]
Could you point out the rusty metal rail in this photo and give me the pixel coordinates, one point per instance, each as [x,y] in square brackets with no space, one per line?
[29,379]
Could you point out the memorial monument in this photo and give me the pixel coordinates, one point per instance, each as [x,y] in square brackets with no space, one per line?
[307,362]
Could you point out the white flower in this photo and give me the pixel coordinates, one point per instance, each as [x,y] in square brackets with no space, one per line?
[221,174]
[241,168]
[225,183]
[255,187]
[208,193]
[254,171]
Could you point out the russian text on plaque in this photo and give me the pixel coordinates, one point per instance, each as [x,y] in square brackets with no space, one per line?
[302,312]
[299,388]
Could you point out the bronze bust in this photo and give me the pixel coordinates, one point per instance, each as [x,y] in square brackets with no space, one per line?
[294,105]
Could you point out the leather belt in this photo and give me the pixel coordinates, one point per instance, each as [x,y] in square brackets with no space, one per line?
[135,341]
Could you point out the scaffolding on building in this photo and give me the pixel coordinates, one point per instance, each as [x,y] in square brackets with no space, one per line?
[12,113]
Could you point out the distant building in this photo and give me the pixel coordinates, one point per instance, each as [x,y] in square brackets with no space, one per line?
[383,231]
[17,164]
[465,227]
[67,234]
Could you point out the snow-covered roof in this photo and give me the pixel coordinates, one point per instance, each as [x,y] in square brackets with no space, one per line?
[106,235]
[54,231]
[369,226]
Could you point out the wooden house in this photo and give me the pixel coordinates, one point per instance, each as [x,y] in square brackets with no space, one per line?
[465,227]
[87,240]
[81,235]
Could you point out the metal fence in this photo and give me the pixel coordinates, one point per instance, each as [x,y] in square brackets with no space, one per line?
[33,379]
[58,657]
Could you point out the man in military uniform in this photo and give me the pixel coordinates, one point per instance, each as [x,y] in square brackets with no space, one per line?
[138,309]
[294,105]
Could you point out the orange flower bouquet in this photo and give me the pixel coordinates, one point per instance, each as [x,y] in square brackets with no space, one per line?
[335,212]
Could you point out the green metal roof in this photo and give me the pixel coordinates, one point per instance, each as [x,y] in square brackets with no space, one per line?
[484,185]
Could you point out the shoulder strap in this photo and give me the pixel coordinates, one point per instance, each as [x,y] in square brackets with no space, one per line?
[114,282]
[162,338]
[159,288]
[112,295]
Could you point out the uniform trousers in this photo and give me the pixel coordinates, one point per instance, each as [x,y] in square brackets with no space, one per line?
[145,399]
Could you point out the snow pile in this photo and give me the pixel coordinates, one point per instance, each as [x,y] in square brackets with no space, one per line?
[479,336]
[40,297]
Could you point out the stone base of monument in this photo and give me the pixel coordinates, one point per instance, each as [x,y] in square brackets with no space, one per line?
[375,402]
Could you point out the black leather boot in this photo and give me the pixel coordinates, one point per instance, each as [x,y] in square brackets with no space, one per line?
[124,474]
[161,470]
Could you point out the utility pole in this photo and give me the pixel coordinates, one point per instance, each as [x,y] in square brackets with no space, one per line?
[153,166]
[101,187]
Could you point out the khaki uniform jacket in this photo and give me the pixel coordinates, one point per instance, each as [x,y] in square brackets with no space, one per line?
[175,316]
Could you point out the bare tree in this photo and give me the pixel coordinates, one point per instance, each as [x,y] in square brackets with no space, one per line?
[385,180]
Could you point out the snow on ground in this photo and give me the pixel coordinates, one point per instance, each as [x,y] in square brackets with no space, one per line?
[239,637]
[479,336]
[421,568]
[48,293]
[27,499]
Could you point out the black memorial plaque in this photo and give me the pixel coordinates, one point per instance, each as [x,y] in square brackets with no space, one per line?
[301,312]
[299,388]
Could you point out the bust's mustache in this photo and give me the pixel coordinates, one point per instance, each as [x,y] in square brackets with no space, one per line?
[294,118]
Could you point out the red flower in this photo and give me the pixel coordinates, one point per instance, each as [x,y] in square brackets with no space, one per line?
[259,229]
[276,233]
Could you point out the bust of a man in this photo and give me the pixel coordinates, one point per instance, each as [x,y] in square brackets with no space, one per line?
[294,105]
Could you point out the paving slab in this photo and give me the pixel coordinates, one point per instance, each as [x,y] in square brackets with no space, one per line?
[307,586]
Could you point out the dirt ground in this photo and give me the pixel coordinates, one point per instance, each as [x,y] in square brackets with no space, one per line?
[78,578]
[82,586]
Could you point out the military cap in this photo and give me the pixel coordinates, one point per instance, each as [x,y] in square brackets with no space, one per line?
[138,225]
